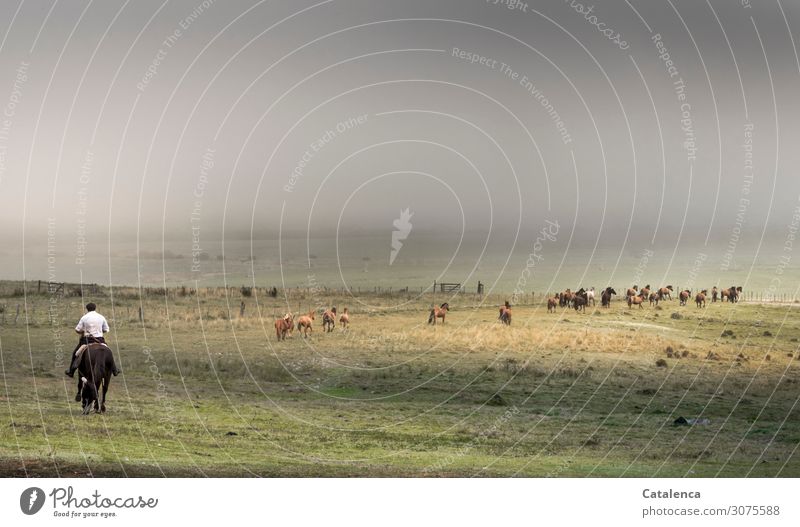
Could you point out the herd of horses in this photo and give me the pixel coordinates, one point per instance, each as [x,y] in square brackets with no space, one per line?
[286,325]
[578,300]
[635,296]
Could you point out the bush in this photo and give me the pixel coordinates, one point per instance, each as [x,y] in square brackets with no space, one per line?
[246,291]
[661,363]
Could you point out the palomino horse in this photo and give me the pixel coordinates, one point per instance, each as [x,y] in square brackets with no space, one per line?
[665,292]
[700,298]
[304,323]
[636,300]
[505,314]
[283,326]
[684,296]
[438,312]
[344,320]
[329,319]
[605,297]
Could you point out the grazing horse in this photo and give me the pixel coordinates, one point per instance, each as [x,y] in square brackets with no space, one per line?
[438,312]
[636,300]
[700,298]
[714,294]
[95,367]
[552,302]
[505,314]
[665,292]
[344,320]
[605,297]
[304,323]
[329,320]
[283,326]
[684,296]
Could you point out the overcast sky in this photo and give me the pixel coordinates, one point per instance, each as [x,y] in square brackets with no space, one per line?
[154,117]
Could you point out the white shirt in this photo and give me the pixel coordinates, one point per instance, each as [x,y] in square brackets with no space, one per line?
[92,323]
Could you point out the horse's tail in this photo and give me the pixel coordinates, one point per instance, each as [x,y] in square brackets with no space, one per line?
[431,317]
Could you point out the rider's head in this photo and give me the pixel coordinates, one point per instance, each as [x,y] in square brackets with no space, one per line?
[90,306]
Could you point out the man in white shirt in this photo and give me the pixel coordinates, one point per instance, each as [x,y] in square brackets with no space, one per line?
[91,328]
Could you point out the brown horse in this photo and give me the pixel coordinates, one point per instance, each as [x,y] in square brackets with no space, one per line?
[636,300]
[714,294]
[438,312]
[552,302]
[700,298]
[684,296]
[580,299]
[645,292]
[329,320]
[665,292]
[283,326]
[732,293]
[654,298]
[632,291]
[505,314]
[304,323]
[344,320]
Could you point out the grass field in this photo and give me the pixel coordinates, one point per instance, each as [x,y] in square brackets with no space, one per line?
[208,392]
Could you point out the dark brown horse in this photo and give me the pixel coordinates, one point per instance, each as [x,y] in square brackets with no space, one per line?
[329,320]
[579,300]
[605,297]
[732,293]
[283,326]
[654,298]
[438,312]
[714,294]
[95,368]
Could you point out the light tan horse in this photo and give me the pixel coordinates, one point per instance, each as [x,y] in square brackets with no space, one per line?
[438,312]
[304,323]
[344,320]
[283,326]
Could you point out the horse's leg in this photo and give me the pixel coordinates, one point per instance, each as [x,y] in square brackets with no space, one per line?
[80,387]
[105,391]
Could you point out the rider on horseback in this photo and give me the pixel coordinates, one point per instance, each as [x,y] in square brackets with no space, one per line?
[90,327]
